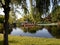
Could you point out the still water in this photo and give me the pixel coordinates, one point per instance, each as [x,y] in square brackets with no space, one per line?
[46,32]
[39,33]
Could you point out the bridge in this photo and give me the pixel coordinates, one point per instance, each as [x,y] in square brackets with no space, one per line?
[31,25]
[51,24]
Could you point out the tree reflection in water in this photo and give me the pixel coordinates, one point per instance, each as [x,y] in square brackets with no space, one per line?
[38,31]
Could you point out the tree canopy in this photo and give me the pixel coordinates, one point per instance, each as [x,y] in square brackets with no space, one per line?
[37,9]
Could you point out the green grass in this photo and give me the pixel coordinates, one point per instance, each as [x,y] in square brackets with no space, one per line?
[21,40]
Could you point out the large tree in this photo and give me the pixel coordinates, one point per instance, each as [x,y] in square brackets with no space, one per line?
[6,24]
[5,5]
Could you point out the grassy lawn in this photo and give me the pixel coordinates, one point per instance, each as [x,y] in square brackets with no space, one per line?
[21,40]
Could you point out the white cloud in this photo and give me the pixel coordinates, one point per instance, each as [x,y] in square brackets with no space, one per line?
[1,11]
[18,15]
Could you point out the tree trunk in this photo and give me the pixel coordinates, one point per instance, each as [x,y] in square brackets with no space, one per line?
[6,24]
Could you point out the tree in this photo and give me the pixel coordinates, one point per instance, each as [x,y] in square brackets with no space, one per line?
[6,24]
[6,8]
[5,4]
[41,3]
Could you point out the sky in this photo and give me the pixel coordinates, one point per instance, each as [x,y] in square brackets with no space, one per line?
[1,11]
[17,14]
[28,4]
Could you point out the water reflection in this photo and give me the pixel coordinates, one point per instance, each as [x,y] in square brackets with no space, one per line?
[39,33]
[55,31]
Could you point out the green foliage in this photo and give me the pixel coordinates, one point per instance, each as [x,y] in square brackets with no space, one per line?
[1,18]
[41,3]
[11,19]
[21,3]
[55,31]
[32,29]
[16,1]
[1,28]
[56,14]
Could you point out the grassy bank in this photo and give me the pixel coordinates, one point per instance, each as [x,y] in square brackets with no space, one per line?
[21,40]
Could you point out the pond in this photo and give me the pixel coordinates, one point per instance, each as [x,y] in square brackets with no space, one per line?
[46,32]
